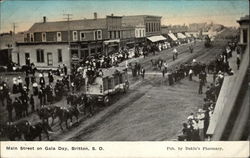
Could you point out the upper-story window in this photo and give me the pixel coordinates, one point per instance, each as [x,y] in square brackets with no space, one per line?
[75,38]
[43,37]
[59,36]
[82,36]
[99,34]
[31,37]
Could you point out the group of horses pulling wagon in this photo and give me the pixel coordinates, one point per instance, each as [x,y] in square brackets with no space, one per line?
[99,90]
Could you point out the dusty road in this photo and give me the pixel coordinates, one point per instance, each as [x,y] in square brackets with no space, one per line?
[151,110]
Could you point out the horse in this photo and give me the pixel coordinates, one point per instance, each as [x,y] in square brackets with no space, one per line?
[46,112]
[36,130]
[15,130]
[65,113]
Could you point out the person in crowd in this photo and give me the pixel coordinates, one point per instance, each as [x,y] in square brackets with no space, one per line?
[191,49]
[35,88]
[51,78]
[9,108]
[41,80]
[190,73]
[238,62]
[201,83]
[17,107]
[142,72]
[170,78]
[15,86]
[32,103]
[27,81]
[20,84]
[65,69]
[40,96]
[201,117]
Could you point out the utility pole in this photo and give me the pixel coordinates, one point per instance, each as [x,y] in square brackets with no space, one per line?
[68,18]
[14,27]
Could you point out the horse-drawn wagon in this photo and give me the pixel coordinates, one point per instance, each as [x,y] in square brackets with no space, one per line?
[110,81]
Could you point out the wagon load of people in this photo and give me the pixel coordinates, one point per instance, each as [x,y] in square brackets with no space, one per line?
[107,82]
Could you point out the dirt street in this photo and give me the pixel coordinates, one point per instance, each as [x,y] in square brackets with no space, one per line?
[150,110]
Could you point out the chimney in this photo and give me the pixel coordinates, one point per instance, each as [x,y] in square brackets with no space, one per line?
[44,19]
[112,14]
[95,15]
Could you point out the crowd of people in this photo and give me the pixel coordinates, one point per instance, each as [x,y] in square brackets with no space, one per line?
[195,128]
[20,100]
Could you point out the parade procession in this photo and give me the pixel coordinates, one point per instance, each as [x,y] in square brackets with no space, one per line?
[116,77]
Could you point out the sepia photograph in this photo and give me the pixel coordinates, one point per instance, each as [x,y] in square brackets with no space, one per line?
[123,70]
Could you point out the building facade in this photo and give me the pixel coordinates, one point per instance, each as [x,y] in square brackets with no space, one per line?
[49,44]
[151,23]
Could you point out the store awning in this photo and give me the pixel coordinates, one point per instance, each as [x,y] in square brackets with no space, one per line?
[112,41]
[172,36]
[187,34]
[180,35]
[156,38]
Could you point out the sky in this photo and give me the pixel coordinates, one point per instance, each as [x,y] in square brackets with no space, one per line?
[25,13]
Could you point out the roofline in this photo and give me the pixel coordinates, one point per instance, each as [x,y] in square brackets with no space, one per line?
[143,16]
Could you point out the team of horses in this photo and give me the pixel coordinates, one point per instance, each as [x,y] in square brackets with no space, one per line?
[25,130]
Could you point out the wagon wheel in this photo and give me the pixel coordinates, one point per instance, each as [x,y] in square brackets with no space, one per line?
[106,101]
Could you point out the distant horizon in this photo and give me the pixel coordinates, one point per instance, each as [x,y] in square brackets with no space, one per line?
[25,13]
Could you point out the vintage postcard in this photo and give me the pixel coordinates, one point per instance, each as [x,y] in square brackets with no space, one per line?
[124,78]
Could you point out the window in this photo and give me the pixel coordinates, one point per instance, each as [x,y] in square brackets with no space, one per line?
[140,34]
[59,36]
[119,34]
[244,31]
[99,34]
[114,34]
[110,34]
[59,52]
[75,36]
[146,27]
[40,55]
[43,37]
[136,33]
[82,36]
[149,27]
[143,32]
[31,37]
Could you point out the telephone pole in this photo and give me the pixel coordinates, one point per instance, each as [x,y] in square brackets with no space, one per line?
[68,18]
[14,28]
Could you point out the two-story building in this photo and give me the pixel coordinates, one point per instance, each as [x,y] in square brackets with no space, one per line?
[49,44]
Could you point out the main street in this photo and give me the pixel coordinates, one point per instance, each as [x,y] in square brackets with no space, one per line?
[151,110]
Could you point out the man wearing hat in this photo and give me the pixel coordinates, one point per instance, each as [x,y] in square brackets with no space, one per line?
[201,117]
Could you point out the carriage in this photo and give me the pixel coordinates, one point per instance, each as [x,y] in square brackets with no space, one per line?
[112,81]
